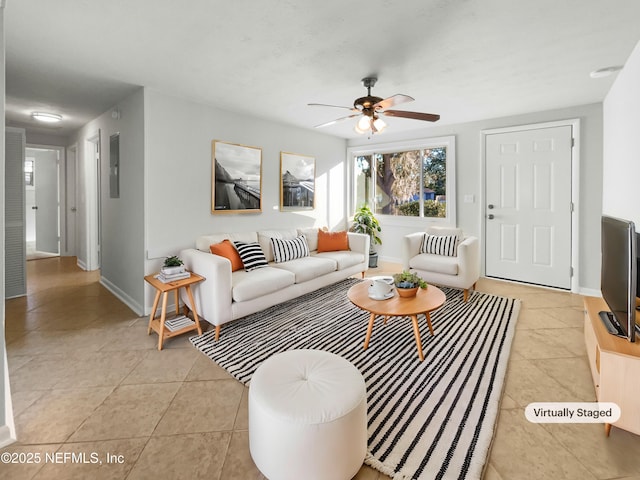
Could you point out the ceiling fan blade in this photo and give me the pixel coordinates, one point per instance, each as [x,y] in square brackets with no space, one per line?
[334,106]
[393,101]
[337,120]
[427,117]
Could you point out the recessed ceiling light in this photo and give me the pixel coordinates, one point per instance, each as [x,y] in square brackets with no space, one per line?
[46,117]
[605,72]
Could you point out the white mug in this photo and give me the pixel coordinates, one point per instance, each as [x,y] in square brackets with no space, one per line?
[380,288]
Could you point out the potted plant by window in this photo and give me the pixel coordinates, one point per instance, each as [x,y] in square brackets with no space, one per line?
[365,222]
[407,283]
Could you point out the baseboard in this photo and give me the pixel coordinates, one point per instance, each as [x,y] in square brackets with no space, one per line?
[589,292]
[5,436]
[390,259]
[81,265]
[122,296]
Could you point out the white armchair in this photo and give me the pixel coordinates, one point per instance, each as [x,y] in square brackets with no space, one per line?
[459,271]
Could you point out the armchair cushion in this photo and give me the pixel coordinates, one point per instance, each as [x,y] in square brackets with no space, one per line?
[435,263]
[440,245]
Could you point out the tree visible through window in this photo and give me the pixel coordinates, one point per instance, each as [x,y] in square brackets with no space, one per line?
[406,182]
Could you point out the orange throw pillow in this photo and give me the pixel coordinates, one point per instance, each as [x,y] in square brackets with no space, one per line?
[227,250]
[332,241]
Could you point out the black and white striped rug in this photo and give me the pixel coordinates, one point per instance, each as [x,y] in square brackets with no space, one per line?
[427,420]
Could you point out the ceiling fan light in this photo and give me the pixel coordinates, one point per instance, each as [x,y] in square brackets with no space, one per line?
[359,130]
[364,123]
[46,117]
[379,125]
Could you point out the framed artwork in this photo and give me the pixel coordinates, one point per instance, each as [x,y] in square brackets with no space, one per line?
[297,181]
[236,184]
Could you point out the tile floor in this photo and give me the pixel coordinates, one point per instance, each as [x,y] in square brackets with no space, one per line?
[86,379]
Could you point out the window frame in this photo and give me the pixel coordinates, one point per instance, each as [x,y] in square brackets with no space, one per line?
[419,144]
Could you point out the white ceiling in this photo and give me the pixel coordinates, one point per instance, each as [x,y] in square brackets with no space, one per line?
[464,59]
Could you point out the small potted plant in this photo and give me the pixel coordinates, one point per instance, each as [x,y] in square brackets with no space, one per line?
[365,222]
[172,265]
[407,283]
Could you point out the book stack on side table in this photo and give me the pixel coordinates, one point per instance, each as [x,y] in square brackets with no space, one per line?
[171,274]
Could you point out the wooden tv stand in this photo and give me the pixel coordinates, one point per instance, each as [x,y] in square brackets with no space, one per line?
[615,367]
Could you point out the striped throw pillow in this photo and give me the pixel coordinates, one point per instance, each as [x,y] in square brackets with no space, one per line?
[440,245]
[251,254]
[285,250]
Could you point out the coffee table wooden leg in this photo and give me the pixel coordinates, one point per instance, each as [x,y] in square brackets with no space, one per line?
[177,301]
[163,316]
[153,310]
[193,306]
[372,318]
[416,333]
[428,317]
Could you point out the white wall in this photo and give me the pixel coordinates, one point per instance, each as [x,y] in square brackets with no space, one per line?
[122,238]
[621,172]
[178,136]
[469,174]
[7,432]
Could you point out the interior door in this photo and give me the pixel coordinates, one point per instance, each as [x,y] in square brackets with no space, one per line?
[47,207]
[528,211]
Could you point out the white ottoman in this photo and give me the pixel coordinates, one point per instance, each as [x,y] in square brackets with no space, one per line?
[307,417]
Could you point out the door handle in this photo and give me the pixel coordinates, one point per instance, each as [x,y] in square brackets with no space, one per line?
[34,207]
[490,206]
[74,209]
[490,216]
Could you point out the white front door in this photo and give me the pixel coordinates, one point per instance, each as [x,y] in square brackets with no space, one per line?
[47,203]
[528,206]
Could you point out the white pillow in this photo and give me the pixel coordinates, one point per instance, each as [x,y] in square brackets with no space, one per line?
[446,245]
[285,250]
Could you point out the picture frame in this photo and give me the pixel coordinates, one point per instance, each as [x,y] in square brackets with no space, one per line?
[297,181]
[236,182]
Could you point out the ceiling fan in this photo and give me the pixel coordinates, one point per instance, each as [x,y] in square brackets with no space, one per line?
[371,108]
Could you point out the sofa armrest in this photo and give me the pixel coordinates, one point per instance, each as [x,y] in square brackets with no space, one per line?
[469,264]
[213,295]
[411,247]
[359,242]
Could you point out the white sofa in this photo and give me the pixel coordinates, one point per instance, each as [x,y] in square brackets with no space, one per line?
[225,296]
[460,271]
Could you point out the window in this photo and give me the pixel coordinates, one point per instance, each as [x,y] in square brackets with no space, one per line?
[412,179]
[28,172]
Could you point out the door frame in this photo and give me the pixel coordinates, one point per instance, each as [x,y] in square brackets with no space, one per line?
[575,189]
[71,202]
[62,173]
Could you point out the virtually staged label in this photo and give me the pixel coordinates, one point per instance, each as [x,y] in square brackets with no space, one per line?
[572,412]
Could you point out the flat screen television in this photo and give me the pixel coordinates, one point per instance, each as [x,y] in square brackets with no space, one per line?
[619,276]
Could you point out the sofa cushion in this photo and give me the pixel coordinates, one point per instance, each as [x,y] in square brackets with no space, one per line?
[311,234]
[265,236]
[435,263]
[204,241]
[332,241]
[227,250]
[252,255]
[440,245]
[308,268]
[344,258]
[286,250]
[260,282]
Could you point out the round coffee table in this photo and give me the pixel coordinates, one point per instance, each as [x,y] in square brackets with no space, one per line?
[424,302]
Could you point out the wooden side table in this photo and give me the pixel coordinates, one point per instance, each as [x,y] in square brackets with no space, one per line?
[163,289]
